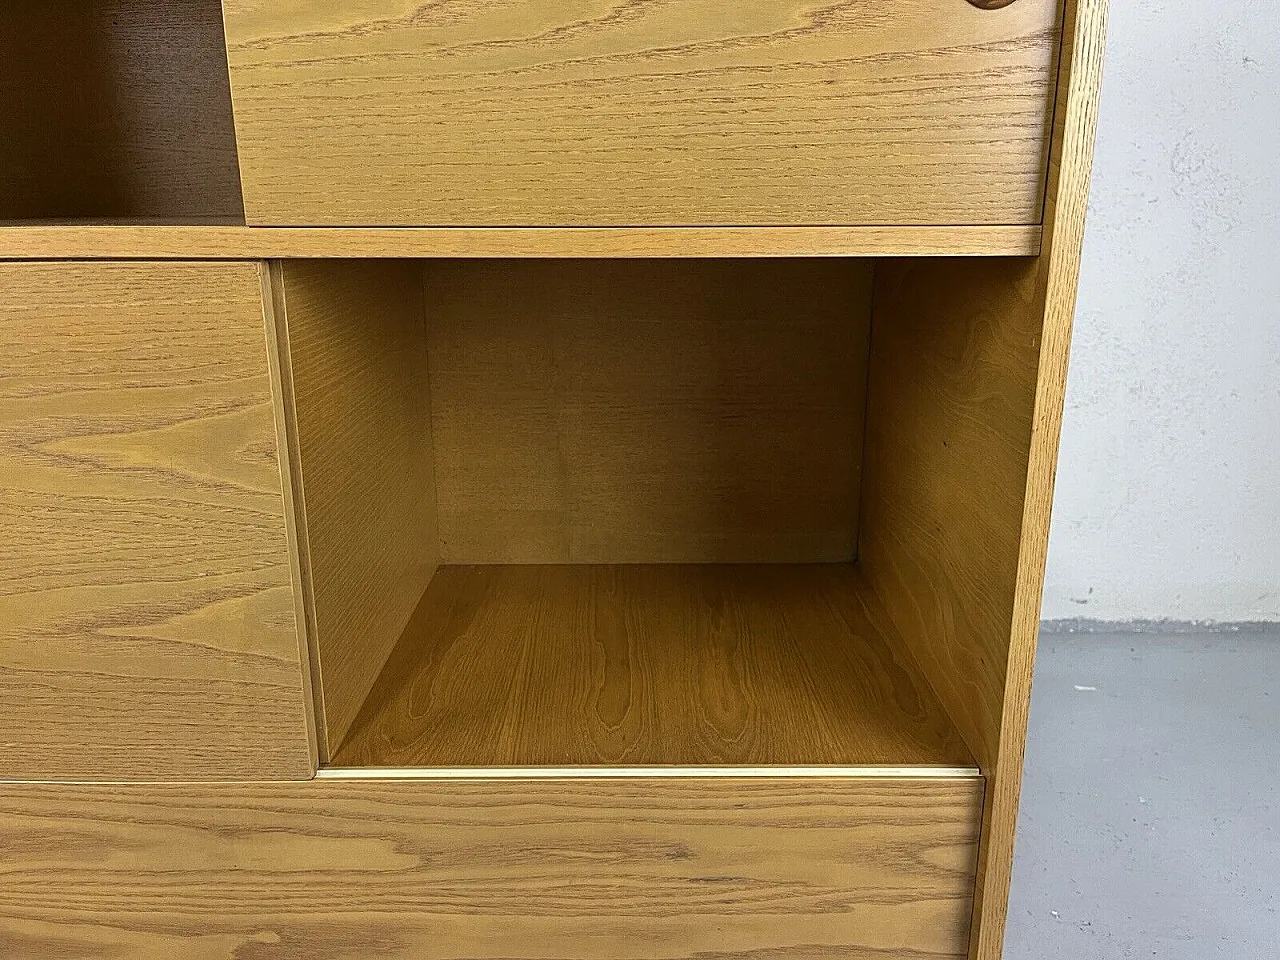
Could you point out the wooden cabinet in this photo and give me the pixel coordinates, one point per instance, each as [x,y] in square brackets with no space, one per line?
[147,626]
[694,112]
[586,495]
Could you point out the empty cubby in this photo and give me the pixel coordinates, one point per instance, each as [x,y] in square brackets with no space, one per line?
[116,111]
[613,512]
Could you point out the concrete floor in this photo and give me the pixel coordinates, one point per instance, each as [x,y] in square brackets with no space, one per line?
[1150,822]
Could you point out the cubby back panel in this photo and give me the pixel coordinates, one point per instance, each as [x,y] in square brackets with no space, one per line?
[647,411]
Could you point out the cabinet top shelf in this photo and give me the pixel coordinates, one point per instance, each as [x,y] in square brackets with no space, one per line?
[150,240]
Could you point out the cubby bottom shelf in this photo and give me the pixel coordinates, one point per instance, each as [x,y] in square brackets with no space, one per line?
[650,666]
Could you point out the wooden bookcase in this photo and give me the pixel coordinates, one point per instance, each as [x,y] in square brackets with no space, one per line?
[528,479]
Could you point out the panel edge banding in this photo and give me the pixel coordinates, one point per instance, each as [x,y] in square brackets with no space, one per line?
[280,365]
[93,241]
[626,773]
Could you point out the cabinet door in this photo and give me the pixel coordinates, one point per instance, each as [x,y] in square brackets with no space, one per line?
[601,112]
[687,868]
[147,625]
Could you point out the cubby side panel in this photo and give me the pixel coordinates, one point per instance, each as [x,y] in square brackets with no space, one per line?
[355,381]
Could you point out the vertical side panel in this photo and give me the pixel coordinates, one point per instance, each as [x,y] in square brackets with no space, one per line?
[954,348]
[364,487]
[1071,162]
[969,363]
[147,625]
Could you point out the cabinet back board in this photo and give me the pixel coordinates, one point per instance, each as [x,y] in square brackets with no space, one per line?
[647,411]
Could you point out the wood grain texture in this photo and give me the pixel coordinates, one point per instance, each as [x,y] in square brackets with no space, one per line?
[146,618]
[968,365]
[280,372]
[612,112]
[950,400]
[111,241]
[577,870]
[1057,275]
[656,664]
[116,108]
[357,373]
[642,411]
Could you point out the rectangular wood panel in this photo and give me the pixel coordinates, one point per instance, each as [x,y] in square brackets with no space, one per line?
[649,869]
[355,384]
[603,112]
[657,664]
[99,241]
[955,351]
[147,622]
[644,411]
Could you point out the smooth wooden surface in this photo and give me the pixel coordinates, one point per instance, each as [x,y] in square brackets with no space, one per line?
[280,372]
[1057,274]
[576,870]
[629,412]
[649,665]
[146,618]
[90,241]
[968,366]
[362,431]
[950,400]
[116,108]
[605,112]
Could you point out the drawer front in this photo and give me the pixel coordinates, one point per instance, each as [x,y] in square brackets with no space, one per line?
[600,112]
[571,869]
[146,609]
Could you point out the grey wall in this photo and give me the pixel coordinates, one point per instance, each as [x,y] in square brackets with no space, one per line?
[1168,498]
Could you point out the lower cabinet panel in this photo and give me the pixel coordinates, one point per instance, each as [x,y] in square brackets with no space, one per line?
[147,626]
[571,869]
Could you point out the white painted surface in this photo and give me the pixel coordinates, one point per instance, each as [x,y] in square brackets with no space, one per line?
[1168,498]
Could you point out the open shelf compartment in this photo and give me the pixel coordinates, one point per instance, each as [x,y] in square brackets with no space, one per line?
[116,111]
[595,513]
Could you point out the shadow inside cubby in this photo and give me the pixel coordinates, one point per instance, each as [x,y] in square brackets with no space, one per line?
[116,111]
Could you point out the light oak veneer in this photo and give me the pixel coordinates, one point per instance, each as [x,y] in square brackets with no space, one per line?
[227,486]
[969,364]
[354,380]
[647,411]
[116,240]
[147,626]
[610,113]
[809,868]
[650,665]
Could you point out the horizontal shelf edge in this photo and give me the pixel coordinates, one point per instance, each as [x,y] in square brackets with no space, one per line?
[106,242]
[619,773]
